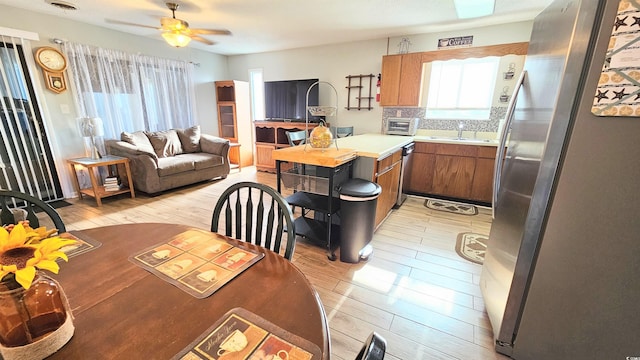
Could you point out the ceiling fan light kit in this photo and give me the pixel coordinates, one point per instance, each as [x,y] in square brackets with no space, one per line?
[176,38]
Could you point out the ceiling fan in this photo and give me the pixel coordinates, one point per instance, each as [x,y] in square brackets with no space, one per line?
[176,32]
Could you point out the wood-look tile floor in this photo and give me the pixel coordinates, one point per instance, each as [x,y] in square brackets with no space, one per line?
[414,290]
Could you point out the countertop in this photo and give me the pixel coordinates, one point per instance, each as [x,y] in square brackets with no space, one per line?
[330,157]
[379,146]
[374,145]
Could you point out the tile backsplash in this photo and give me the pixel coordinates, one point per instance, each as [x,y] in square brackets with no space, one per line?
[491,125]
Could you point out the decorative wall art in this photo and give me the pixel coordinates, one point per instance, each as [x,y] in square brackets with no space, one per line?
[618,91]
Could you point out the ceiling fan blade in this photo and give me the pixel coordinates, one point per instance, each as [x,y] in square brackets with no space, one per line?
[118,22]
[202,40]
[211,32]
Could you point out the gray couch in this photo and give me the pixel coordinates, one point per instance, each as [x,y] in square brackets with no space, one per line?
[167,159]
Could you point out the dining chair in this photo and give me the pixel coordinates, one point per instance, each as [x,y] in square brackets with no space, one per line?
[374,348]
[342,131]
[11,201]
[296,137]
[262,211]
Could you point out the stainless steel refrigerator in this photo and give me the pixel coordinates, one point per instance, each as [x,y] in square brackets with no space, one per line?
[561,277]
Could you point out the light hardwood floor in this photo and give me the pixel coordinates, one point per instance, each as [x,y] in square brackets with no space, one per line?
[414,290]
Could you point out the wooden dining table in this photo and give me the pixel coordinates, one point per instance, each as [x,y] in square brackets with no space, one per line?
[123,311]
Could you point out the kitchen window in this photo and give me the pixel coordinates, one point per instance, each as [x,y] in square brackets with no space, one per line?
[461,89]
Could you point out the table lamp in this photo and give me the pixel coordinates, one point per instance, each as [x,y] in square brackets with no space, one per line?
[91,127]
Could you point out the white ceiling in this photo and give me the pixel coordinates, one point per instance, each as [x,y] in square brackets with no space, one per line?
[269,25]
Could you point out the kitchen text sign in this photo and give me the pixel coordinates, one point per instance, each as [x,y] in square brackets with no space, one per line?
[455,42]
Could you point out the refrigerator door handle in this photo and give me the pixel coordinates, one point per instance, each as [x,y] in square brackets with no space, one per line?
[500,151]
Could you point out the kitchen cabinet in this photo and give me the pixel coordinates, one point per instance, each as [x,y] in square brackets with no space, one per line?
[450,170]
[401,78]
[272,135]
[388,177]
[234,119]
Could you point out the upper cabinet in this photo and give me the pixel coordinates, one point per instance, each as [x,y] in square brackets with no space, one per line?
[401,83]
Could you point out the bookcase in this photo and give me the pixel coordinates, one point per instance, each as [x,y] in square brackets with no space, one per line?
[234,119]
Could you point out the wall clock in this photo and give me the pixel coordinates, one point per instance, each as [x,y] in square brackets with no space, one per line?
[53,64]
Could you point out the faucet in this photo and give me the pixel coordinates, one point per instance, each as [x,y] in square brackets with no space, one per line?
[460,127]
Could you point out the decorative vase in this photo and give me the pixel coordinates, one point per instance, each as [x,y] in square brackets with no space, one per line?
[34,323]
[321,137]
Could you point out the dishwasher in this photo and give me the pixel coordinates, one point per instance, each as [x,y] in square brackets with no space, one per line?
[407,150]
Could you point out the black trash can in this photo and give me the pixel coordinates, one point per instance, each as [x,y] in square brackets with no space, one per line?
[358,200]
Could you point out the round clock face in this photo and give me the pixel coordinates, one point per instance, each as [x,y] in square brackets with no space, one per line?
[51,59]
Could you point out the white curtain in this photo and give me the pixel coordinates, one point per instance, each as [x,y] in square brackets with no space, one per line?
[131,92]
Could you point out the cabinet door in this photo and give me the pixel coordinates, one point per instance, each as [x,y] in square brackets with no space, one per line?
[420,173]
[410,80]
[227,121]
[264,161]
[453,176]
[390,82]
[482,189]
[389,180]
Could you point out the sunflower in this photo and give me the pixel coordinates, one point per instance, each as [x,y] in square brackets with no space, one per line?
[21,255]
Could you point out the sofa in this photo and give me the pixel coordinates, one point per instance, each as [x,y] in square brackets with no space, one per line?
[164,160]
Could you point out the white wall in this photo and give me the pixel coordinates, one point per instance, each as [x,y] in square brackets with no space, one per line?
[61,126]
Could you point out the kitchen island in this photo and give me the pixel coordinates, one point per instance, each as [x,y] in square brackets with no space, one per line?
[380,161]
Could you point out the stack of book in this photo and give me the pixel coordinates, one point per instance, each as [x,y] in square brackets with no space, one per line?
[111,184]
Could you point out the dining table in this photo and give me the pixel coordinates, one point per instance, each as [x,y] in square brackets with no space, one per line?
[122,311]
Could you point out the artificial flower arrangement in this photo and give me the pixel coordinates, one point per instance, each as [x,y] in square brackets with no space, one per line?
[24,249]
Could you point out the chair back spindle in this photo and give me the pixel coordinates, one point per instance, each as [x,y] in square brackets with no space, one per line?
[265,214]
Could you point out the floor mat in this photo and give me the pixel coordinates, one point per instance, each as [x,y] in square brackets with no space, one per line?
[56,205]
[472,246]
[457,208]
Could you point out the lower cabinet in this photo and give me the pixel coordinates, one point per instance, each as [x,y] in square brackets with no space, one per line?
[271,135]
[388,177]
[458,171]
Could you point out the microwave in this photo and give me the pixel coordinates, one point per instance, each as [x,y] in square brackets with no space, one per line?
[401,126]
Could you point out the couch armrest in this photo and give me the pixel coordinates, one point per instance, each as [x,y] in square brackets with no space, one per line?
[214,145]
[122,148]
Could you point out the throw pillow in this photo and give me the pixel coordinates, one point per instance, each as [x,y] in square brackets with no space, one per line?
[138,139]
[190,139]
[166,143]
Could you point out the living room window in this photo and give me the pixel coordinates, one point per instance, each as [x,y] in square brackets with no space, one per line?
[131,92]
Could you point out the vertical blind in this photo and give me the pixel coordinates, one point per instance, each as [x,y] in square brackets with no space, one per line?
[26,161]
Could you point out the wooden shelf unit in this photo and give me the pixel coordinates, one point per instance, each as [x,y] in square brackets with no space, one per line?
[234,119]
[272,135]
[359,97]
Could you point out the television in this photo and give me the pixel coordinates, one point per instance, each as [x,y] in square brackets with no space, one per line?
[286,100]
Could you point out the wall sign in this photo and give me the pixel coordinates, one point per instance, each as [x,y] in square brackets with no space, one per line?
[455,42]
[618,91]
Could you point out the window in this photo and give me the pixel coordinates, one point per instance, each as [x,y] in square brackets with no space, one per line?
[257,94]
[462,89]
[131,92]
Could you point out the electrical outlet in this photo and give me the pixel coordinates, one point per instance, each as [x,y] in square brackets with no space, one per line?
[398,113]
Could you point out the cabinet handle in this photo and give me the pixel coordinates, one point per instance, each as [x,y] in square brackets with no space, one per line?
[387,169]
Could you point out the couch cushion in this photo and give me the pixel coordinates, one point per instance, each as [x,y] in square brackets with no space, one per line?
[137,139]
[190,139]
[205,160]
[175,165]
[165,143]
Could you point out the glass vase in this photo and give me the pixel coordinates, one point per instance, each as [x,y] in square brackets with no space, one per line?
[38,319]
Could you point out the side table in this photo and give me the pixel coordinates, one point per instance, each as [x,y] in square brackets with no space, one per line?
[97,190]
[234,156]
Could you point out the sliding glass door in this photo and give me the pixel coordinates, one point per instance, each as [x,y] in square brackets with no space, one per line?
[26,162]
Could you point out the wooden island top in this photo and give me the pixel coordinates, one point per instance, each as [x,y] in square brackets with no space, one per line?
[330,157]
